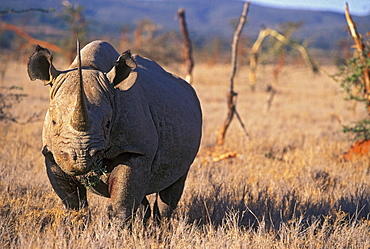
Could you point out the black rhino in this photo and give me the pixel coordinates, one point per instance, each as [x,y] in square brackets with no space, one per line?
[119,125]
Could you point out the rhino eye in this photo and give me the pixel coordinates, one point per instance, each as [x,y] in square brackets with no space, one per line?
[53,122]
[107,125]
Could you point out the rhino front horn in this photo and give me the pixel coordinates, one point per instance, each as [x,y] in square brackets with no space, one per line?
[80,118]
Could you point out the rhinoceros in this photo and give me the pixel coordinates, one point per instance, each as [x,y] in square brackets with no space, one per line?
[118,125]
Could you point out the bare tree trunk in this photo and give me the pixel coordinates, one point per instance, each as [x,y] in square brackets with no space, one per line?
[123,40]
[360,49]
[188,53]
[271,87]
[253,61]
[272,91]
[138,36]
[231,97]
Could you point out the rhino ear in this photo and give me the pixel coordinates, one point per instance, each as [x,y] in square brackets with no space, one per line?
[40,66]
[122,75]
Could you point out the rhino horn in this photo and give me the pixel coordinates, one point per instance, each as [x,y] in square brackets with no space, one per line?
[80,118]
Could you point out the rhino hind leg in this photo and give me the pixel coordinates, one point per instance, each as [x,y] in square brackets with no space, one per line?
[168,198]
[69,189]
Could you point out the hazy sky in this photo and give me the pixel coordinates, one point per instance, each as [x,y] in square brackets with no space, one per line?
[356,7]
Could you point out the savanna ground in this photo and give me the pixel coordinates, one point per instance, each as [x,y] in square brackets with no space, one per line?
[285,188]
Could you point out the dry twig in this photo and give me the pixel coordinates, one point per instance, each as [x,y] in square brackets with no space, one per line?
[357,38]
[231,97]
[30,39]
[256,48]
[13,11]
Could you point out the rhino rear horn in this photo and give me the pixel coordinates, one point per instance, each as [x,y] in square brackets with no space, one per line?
[122,75]
[40,66]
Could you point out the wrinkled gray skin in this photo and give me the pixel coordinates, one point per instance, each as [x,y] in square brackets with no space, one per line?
[142,121]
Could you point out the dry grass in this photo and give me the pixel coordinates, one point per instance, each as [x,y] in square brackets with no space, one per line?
[285,189]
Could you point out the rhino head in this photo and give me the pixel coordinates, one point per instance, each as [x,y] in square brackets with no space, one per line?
[81,113]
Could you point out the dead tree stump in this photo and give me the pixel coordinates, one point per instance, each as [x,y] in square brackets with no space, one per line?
[231,97]
[188,50]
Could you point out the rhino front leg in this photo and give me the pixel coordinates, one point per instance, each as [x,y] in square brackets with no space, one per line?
[127,187]
[168,198]
[69,189]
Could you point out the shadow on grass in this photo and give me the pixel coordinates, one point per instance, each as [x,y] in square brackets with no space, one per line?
[249,210]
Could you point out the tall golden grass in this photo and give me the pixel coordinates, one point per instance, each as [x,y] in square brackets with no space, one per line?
[285,188]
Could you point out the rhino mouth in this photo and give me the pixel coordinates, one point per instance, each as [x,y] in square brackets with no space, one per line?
[81,165]
[79,169]
[98,174]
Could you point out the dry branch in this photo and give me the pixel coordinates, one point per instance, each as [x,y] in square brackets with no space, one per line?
[253,61]
[188,52]
[13,11]
[357,38]
[254,56]
[231,97]
[30,39]
[283,40]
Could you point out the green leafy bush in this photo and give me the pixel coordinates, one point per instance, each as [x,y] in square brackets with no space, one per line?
[360,130]
[352,81]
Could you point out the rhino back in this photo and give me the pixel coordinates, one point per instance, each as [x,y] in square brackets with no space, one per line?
[98,55]
[161,116]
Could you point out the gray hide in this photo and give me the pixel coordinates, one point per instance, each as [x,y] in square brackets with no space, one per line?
[143,132]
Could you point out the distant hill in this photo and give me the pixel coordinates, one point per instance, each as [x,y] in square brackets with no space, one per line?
[206,18]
